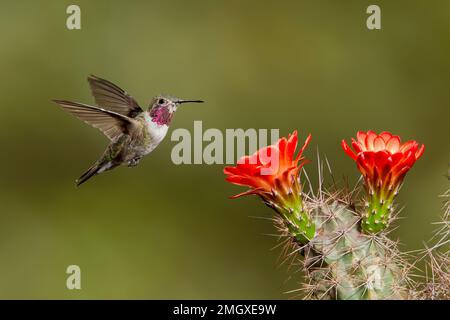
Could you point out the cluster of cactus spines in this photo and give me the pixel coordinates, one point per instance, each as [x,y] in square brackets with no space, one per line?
[343,243]
[437,255]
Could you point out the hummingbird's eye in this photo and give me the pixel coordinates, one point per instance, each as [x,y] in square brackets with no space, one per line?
[161,101]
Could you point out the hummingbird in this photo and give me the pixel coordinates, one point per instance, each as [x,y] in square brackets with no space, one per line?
[133,132]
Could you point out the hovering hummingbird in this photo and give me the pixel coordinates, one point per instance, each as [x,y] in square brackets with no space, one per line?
[133,132]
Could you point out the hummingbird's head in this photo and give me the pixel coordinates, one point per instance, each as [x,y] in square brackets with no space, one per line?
[162,108]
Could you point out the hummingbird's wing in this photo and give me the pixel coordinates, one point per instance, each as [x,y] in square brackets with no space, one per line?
[109,96]
[111,123]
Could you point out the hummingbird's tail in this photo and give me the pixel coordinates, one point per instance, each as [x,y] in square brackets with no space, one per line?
[92,171]
[96,168]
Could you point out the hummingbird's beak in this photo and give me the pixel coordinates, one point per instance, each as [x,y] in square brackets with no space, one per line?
[189,101]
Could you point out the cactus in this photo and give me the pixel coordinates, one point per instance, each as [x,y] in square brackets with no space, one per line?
[342,239]
[341,262]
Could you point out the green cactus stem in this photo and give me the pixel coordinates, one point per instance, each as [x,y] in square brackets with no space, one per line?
[288,203]
[378,213]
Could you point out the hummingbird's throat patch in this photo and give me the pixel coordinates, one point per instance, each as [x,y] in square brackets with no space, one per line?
[161,115]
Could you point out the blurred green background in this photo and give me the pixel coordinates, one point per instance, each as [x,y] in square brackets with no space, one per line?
[167,231]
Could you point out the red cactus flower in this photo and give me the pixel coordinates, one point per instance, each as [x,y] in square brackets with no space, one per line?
[273,174]
[383,161]
[269,169]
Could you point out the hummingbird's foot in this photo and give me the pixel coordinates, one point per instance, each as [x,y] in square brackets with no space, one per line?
[133,162]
